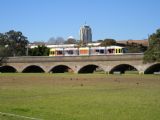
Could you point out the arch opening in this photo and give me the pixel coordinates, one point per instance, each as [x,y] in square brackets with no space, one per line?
[7,69]
[33,69]
[61,69]
[91,69]
[153,69]
[124,69]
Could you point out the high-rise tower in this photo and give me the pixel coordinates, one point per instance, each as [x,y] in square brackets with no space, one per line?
[85,34]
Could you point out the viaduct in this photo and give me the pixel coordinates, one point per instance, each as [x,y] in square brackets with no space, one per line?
[79,64]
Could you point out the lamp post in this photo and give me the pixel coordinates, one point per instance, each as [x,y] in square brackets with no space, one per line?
[27,49]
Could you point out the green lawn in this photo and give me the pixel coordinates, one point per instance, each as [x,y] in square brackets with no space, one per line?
[80,97]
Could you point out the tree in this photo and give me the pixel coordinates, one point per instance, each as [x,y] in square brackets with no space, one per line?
[39,51]
[15,41]
[154,39]
[70,41]
[108,42]
[153,52]
[57,41]
[135,48]
[51,41]
[81,44]
[39,43]
[3,54]
[99,41]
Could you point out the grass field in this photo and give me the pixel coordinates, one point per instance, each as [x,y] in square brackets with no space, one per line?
[80,97]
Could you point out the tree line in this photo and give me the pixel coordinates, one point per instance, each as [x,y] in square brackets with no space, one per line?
[14,43]
[152,54]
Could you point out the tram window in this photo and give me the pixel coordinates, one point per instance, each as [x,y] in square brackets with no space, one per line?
[96,51]
[53,53]
[111,50]
[119,50]
[101,51]
[70,52]
[59,52]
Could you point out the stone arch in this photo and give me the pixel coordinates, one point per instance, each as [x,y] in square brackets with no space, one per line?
[90,68]
[7,69]
[61,69]
[152,69]
[33,69]
[122,68]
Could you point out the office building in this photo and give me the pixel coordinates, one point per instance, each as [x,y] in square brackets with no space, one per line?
[85,34]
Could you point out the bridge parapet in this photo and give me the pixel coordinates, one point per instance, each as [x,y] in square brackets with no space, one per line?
[35,59]
[80,64]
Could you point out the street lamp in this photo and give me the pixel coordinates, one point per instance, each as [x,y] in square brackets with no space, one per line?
[27,49]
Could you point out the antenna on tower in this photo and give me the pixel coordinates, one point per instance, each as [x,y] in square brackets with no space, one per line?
[85,23]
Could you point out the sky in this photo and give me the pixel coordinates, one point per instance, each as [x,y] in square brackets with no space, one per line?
[39,20]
